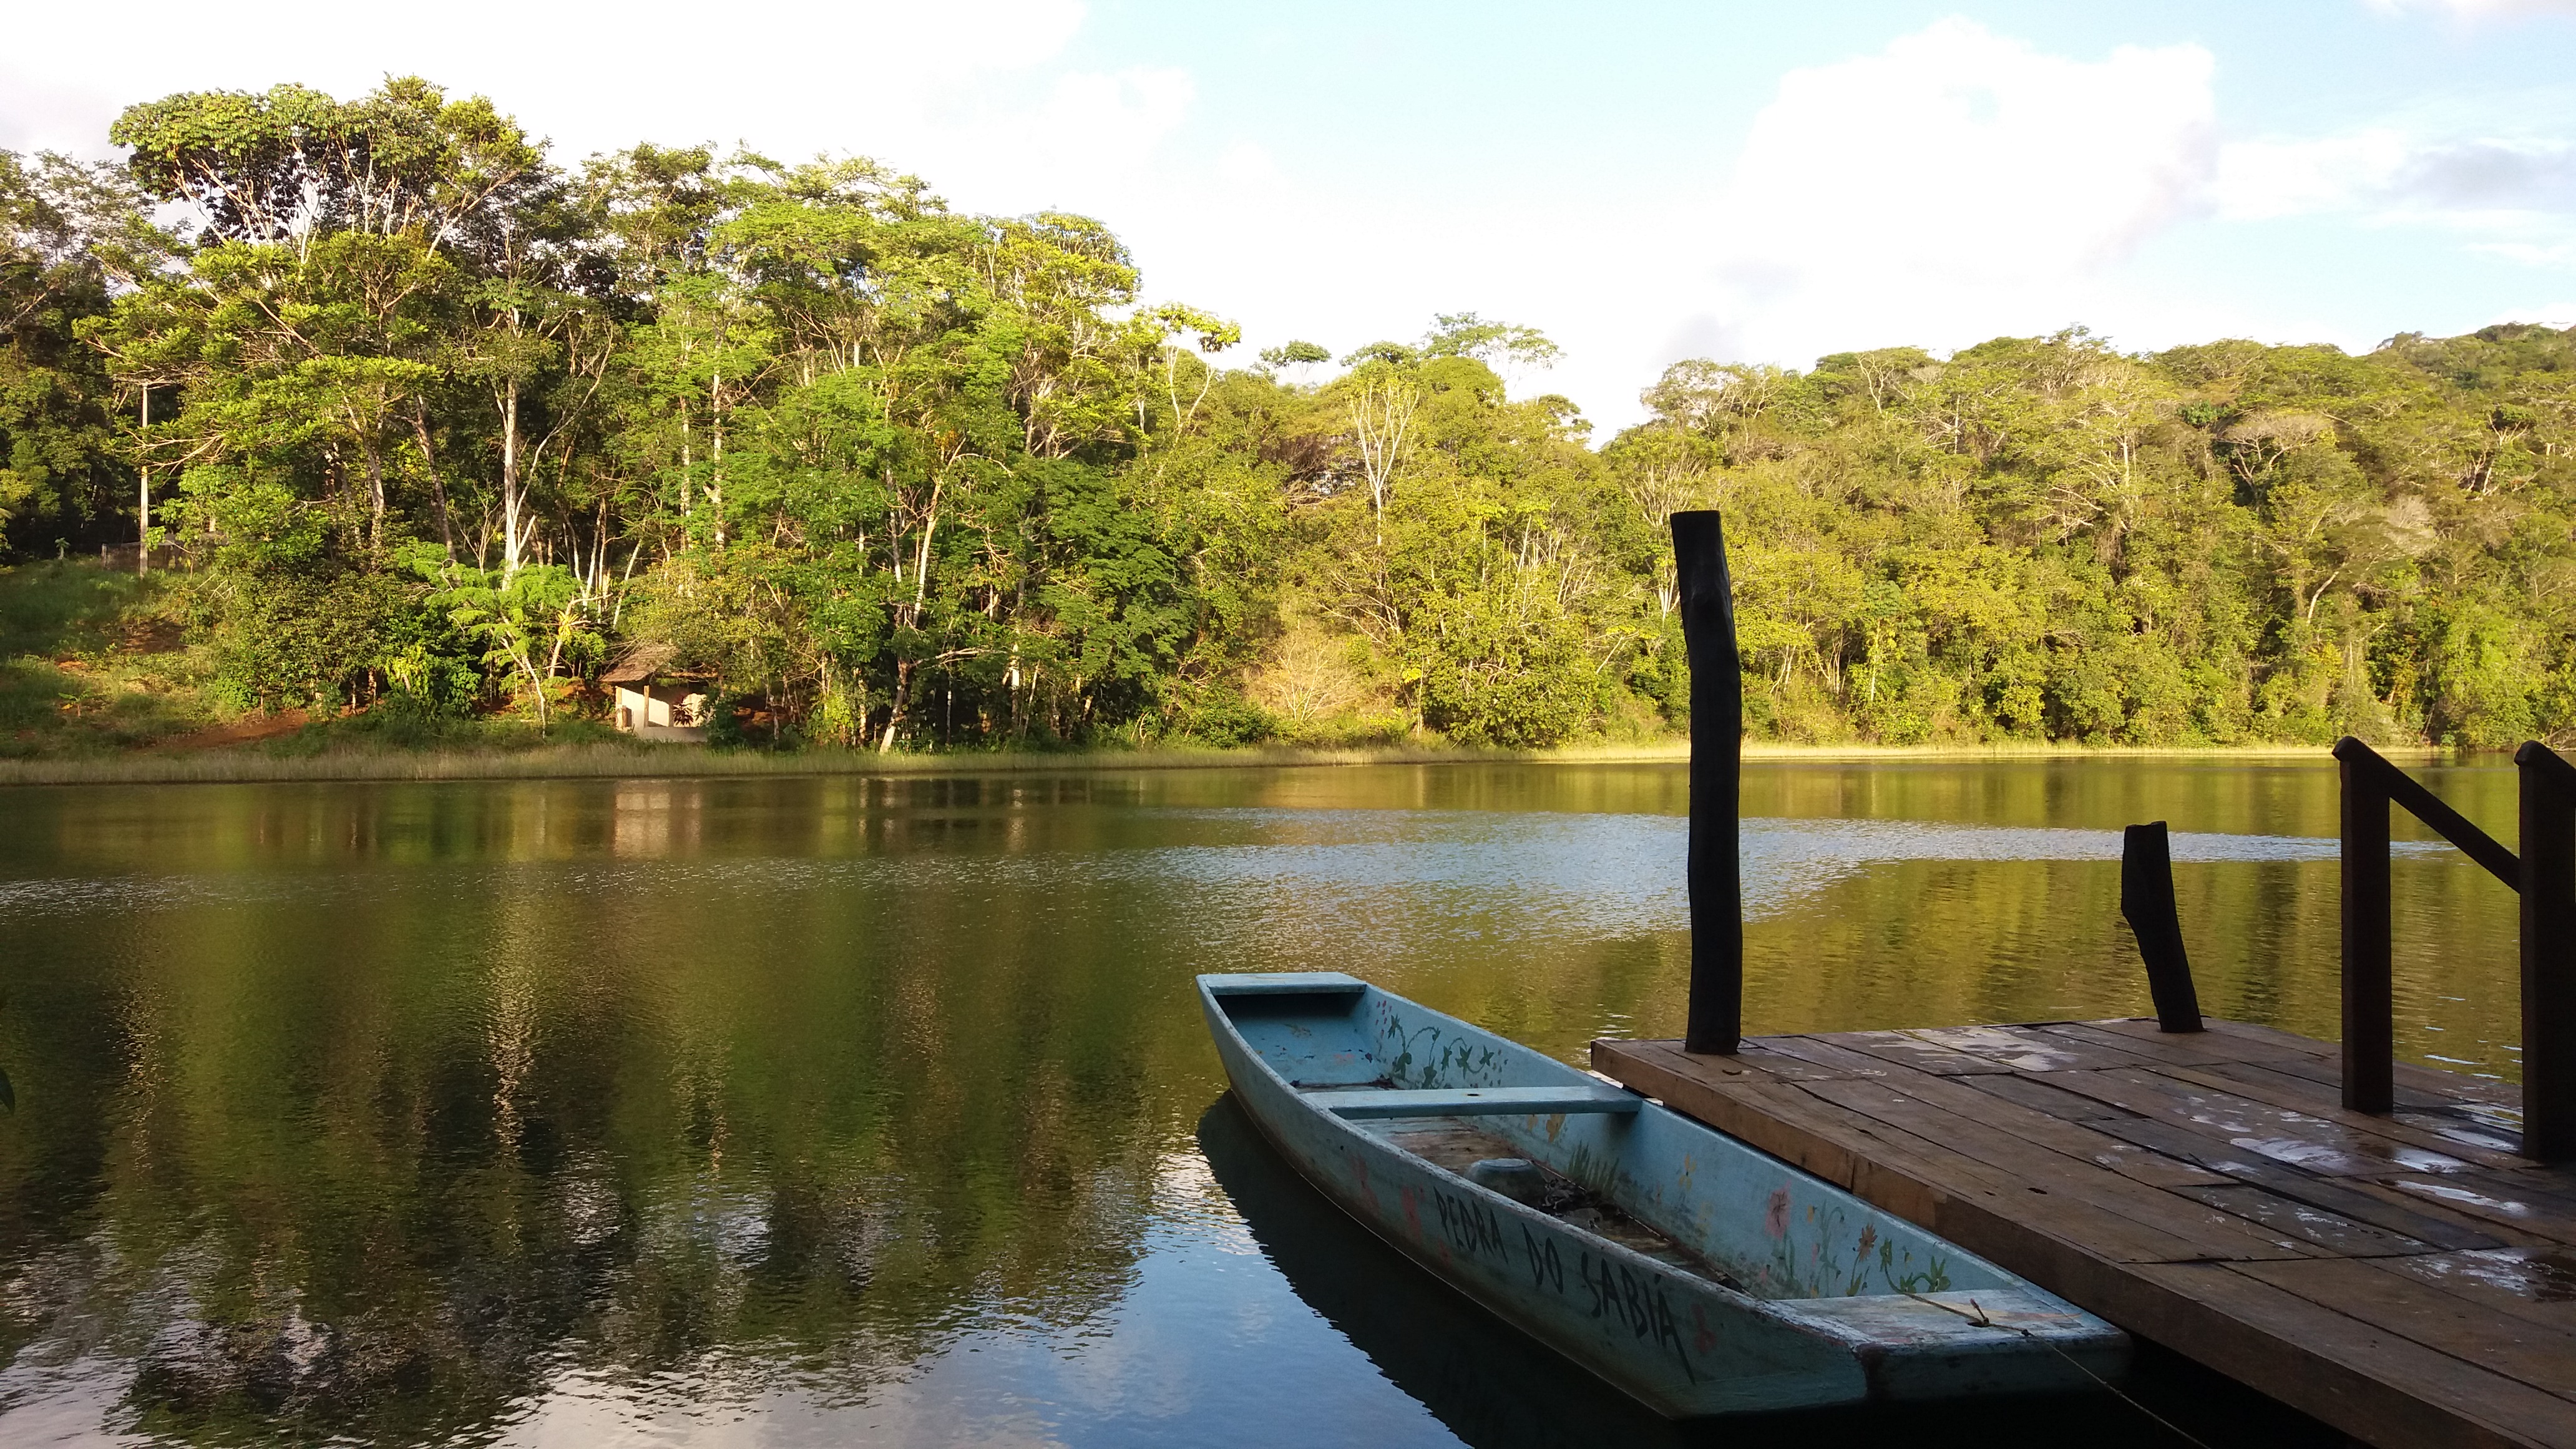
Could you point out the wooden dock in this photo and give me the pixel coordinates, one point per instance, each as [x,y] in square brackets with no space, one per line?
[2407,1278]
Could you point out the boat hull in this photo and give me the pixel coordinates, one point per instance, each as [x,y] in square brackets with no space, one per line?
[1679,1342]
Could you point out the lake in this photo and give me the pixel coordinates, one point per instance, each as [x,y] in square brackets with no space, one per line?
[845,1110]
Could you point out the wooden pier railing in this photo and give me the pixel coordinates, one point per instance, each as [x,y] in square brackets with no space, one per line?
[2548,886]
[2545,876]
[2110,1161]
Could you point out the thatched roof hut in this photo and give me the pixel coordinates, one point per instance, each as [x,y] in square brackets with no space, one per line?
[651,700]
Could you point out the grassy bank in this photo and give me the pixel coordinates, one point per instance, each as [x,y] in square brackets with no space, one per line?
[94,661]
[597,759]
[99,684]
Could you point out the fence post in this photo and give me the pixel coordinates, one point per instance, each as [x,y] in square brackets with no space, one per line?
[2369,993]
[2548,883]
[2147,900]
[1707,602]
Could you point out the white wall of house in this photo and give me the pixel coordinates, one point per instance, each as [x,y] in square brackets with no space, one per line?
[665,711]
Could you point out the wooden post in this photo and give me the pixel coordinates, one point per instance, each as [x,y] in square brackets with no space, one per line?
[2548,883]
[1707,602]
[2369,993]
[2147,900]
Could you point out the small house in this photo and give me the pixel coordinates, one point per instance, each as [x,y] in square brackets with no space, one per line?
[652,701]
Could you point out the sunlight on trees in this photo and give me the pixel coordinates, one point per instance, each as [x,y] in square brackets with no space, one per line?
[438,424]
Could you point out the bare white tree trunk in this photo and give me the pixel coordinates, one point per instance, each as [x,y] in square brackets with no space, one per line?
[513,540]
[715,429]
[1381,415]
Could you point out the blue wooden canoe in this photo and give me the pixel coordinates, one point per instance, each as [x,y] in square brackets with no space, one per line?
[1698,1274]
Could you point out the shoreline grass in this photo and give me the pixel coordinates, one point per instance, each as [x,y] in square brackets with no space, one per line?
[629,760]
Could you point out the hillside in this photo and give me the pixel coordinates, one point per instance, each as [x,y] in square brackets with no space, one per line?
[436,426]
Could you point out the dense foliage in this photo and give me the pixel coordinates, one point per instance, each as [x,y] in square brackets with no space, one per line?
[438,426]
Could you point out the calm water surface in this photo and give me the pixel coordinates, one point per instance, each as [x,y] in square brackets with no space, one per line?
[850,1111]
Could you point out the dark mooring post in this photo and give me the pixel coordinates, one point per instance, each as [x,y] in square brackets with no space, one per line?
[2147,900]
[1707,602]
[2369,997]
[2548,871]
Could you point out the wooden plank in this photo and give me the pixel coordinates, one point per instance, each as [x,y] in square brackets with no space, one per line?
[2444,1083]
[2435,1133]
[2526,1202]
[1286,983]
[2028,1048]
[1917,1180]
[2297,1138]
[2046,1097]
[2419,1095]
[1754,1057]
[1890,1169]
[2368,1381]
[2185,1049]
[1782,1057]
[2217,1036]
[1909,1051]
[2541,1355]
[1366,1104]
[2432,1086]
[2338,1235]
[1973,1101]
[1827,1059]
[2287,1042]
[1956,1094]
[1921,1181]
[1760,1111]
[2537,1285]
[2482,1122]
[1955,1141]
[1757,1060]
[2549,1190]
[2162,1227]
[2345,1197]
[1750,1066]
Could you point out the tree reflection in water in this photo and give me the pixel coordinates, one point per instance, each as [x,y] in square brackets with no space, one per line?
[869,1109]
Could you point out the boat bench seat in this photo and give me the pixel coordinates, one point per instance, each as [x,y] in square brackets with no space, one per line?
[1476,1102]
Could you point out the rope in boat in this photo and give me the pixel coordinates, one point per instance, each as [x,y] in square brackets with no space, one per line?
[1980,1319]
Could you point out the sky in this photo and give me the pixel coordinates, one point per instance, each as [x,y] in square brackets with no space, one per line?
[1642,182]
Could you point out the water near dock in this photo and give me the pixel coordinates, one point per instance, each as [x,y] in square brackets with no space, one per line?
[852,1111]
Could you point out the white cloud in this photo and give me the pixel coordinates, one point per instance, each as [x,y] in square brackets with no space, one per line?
[2474,10]
[2531,254]
[1090,144]
[998,124]
[2512,198]
[1957,184]
[1940,189]
[800,76]
[2384,172]
[1127,111]
[2555,314]
[1248,166]
[2261,180]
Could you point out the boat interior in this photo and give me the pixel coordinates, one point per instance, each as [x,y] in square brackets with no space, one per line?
[1512,1121]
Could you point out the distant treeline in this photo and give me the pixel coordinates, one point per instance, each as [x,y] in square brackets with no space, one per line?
[439,426]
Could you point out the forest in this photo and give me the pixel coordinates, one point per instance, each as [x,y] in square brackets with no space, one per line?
[376,410]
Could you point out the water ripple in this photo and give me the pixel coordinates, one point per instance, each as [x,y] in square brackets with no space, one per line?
[1595,873]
